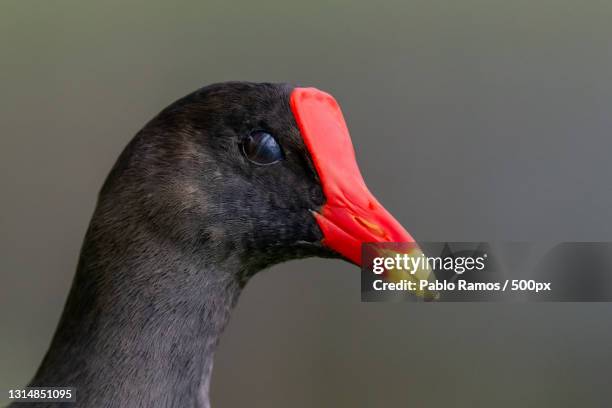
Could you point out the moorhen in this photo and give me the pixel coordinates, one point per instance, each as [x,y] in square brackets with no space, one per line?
[222,183]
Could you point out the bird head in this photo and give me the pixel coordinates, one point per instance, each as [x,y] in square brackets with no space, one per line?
[257,173]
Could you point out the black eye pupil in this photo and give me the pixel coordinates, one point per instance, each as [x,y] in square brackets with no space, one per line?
[261,148]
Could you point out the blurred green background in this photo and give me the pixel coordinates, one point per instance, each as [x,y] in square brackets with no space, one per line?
[472,120]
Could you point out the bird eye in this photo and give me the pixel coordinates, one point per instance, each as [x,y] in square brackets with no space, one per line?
[261,148]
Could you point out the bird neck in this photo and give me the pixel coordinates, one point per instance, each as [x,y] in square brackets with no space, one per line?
[141,323]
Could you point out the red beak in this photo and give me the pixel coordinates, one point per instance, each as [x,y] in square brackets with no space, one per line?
[351,215]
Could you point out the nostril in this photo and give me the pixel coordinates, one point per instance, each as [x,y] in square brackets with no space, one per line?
[372,227]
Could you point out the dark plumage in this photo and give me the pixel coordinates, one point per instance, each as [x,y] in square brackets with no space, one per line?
[185,218]
[182,221]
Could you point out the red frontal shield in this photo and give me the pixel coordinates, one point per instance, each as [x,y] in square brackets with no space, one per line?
[351,215]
